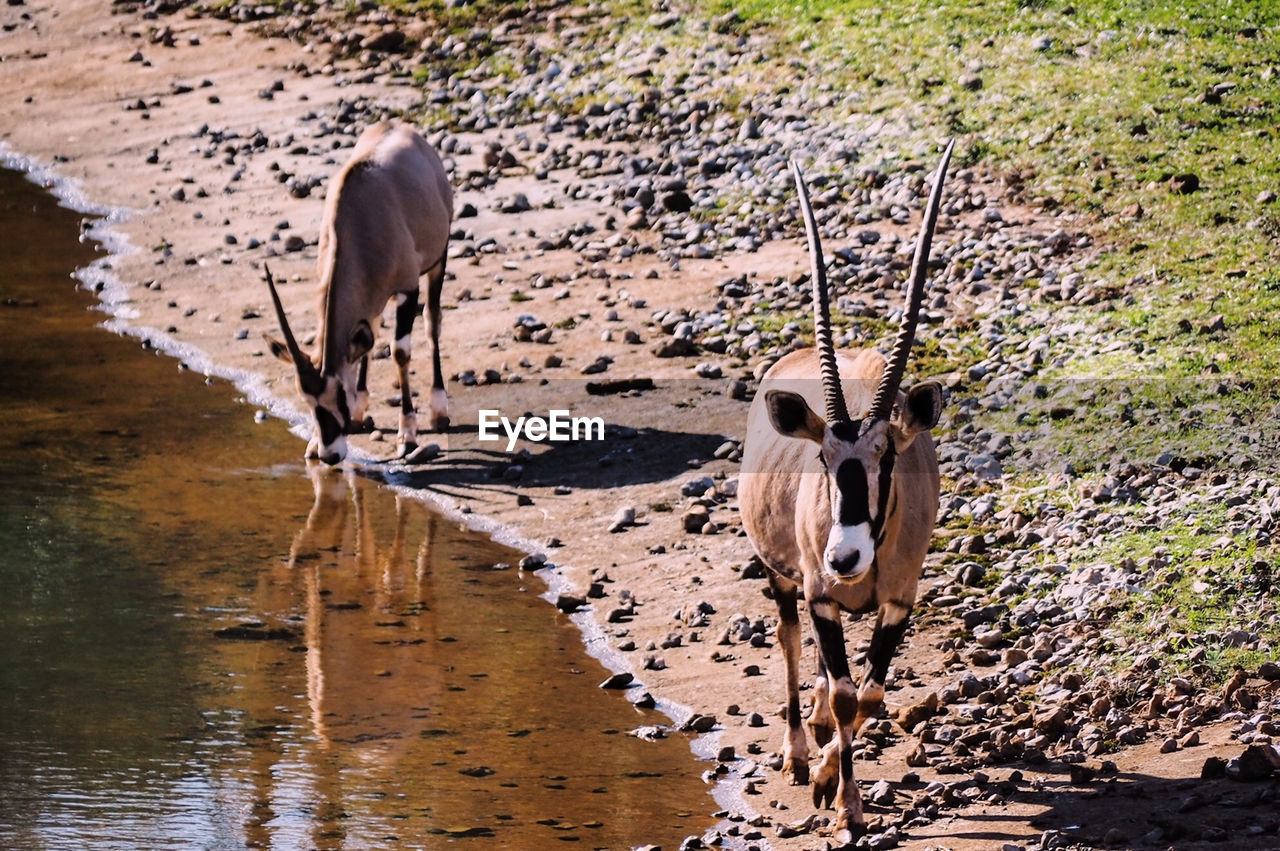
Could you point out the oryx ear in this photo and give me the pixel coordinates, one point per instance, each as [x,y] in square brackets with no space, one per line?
[361,341]
[311,382]
[278,349]
[791,416]
[921,412]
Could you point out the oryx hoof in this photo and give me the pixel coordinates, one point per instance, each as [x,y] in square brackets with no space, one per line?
[847,835]
[367,426]
[798,771]
[407,448]
[824,792]
[826,779]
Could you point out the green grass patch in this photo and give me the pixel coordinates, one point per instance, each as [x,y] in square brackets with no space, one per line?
[1205,588]
[1097,105]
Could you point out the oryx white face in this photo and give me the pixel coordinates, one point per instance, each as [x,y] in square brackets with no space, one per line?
[858,459]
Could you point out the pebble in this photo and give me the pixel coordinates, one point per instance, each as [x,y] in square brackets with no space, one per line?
[623,518]
[620,680]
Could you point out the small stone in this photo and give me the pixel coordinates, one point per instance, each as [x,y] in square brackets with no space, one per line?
[916,714]
[1252,765]
[1214,768]
[700,723]
[622,519]
[970,573]
[619,680]
[674,347]
[1184,184]
[695,518]
[569,603]
[1081,774]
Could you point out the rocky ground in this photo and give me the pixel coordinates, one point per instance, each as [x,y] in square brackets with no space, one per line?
[626,245]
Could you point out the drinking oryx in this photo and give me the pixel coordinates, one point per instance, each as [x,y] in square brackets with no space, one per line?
[844,506]
[386,222]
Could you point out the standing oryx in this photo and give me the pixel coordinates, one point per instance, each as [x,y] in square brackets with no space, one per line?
[387,217]
[843,506]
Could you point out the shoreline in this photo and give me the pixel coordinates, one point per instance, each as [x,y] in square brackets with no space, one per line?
[117,294]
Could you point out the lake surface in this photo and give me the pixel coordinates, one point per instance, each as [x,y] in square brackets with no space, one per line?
[204,644]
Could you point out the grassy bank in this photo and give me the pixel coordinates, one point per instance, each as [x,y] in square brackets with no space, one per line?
[1104,106]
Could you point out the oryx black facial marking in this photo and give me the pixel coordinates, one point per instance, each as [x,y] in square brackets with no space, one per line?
[860,473]
[851,482]
[332,425]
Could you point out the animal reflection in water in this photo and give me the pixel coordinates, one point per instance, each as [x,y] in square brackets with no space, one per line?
[366,605]
[355,600]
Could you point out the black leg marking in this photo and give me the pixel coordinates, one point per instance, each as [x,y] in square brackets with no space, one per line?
[830,635]
[884,643]
[789,617]
[406,312]
[435,283]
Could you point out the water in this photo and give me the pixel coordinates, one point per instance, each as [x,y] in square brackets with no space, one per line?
[204,644]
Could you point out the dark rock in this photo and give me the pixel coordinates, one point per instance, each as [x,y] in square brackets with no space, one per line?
[619,680]
[1184,184]
[1252,765]
[677,202]
[569,603]
[1214,768]
[674,347]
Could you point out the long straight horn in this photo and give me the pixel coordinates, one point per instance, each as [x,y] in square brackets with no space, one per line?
[301,361]
[887,392]
[831,389]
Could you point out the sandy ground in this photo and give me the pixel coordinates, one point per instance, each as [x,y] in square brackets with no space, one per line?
[161,138]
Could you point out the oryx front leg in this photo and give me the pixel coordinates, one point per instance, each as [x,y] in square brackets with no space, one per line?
[833,781]
[795,747]
[439,421]
[822,723]
[891,625]
[406,312]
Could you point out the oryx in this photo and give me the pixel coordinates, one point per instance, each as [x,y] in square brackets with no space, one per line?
[387,217]
[843,505]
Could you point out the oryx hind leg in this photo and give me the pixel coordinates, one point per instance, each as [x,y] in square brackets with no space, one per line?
[407,309]
[439,417]
[833,780]
[795,746]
